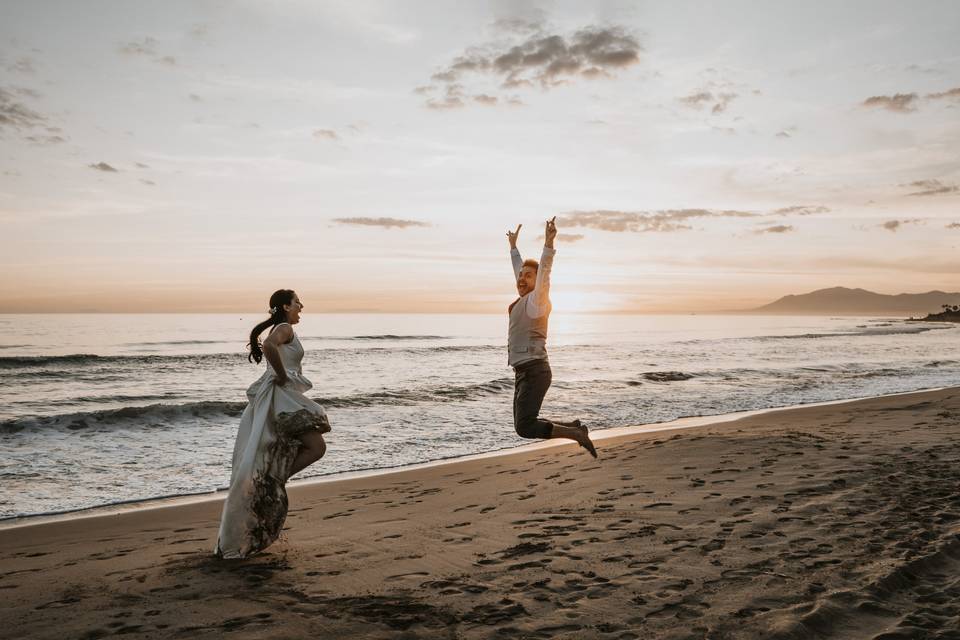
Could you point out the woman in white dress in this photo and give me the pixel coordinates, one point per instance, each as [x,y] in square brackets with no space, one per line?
[281,433]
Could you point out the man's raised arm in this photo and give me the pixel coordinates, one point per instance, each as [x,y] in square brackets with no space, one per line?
[514,252]
[542,291]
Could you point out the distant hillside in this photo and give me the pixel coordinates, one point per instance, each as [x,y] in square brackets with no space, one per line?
[843,301]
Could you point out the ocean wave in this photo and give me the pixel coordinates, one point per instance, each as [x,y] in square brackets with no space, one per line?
[150,415]
[865,331]
[175,342]
[385,336]
[78,360]
[666,376]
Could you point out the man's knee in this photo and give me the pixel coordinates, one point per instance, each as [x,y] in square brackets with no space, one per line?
[529,428]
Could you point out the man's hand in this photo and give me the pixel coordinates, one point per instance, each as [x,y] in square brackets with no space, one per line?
[550,232]
[512,236]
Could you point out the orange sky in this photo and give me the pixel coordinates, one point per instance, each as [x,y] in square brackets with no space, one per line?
[372,155]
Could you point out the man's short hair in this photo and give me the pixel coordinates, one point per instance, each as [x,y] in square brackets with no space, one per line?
[530,262]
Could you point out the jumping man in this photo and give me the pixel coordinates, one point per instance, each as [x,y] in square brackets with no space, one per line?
[527,345]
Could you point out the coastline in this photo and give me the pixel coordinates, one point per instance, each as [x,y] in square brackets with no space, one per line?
[838,520]
[162,502]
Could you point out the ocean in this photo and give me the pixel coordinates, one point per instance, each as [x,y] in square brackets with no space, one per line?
[104,409]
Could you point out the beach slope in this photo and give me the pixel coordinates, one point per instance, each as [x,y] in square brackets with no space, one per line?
[837,521]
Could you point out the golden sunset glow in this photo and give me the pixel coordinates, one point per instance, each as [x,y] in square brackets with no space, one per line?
[373,159]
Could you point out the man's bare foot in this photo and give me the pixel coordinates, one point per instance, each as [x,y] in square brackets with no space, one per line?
[585,442]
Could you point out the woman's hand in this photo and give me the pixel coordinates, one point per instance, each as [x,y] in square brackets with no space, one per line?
[281,381]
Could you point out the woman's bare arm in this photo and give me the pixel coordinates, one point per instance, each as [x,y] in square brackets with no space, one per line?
[282,334]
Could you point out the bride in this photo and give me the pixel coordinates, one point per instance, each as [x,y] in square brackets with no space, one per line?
[281,433]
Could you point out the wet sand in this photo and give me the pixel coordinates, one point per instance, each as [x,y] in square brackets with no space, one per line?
[836,521]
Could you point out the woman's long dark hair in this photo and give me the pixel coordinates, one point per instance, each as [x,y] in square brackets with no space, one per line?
[277,315]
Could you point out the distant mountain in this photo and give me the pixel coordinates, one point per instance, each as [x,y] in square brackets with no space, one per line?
[844,301]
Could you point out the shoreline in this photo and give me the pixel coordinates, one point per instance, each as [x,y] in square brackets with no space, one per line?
[175,500]
[839,520]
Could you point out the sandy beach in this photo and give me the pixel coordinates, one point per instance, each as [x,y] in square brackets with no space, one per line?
[836,521]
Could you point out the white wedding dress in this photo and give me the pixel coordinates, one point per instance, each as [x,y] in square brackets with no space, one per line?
[267,443]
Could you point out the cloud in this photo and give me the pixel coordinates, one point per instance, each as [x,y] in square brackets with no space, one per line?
[148,182]
[16,115]
[537,59]
[801,210]
[894,225]
[697,100]
[102,166]
[46,139]
[21,65]
[777,228]
[141,165]
[483,98]
[386,223]
[949,93]
[665,220]
[953,225]
[723,100]
[907,102]
[140,48]
[702,97]
[453,98]
[147,49]
[328,134]
[931,188]
[900,102]
[520,25]
[644,221]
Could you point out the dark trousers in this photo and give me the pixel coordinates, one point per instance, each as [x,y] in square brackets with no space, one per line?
[532,381]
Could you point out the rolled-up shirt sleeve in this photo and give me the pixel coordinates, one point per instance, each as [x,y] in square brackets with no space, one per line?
[517,262]
[539,302]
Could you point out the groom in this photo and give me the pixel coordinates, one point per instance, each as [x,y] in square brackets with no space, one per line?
[527,345]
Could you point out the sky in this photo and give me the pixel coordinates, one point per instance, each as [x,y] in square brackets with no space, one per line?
[698,156]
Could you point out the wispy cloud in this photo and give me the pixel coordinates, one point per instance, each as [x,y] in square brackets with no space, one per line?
[22,64]
[723,100]
[909,102]
[147,47]
[102,166]
[953,225]
[931,188]
[386,223]
[521,25]
[900,102]
[777,228]
[948,94]
[786,132]
[801,210]
[696,100]
[15,114]
[665,220]
[327,134]
[46,139]
[894,225]
[534,57]
[644,221]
